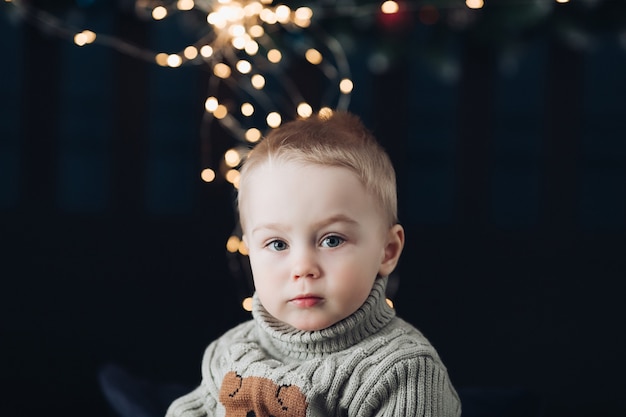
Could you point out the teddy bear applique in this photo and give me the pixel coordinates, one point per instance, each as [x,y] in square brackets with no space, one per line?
[260,397]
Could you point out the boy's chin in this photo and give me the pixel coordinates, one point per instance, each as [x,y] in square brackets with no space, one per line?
[312,326]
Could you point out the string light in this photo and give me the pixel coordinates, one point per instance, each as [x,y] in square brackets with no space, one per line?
[159,13]
[313,56]
[211,104]
[247,109]
[239,27]
[185,5]
[220,112]
[232,176]
[207,175]
[206,51]
[274,56]
[304,110]
[232,158]
[232,244]
[253,135]
[474,4]
[85,37]
[258,81]
[273,119]
[346,85]
[389,7]
[190,53]
[174,61]
[247,304]
[325,113]
[237,31]
[242,249]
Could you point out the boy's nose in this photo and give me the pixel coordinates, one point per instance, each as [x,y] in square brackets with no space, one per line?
[305,265]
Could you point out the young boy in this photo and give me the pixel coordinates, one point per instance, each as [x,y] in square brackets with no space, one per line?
[317,202]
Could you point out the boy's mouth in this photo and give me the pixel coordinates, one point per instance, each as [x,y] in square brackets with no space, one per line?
[306,300]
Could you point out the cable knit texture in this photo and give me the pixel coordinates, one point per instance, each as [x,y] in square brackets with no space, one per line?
[370,364]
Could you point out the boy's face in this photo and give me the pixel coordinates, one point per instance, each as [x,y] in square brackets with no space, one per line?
[317,241]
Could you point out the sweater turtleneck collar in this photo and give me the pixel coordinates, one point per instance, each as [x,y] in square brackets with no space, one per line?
[290,342]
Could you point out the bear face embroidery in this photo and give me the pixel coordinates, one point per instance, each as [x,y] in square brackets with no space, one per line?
[260,397]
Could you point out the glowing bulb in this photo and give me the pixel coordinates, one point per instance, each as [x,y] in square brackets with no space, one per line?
[273,119]
[159,13]
[190,52]
[274,56]
[251,47]
[302,17]
[283,13]
[232,176]
[253,135]
[474,4]
[220,112]
[232,244]
[247,109]
[232,158]
[302,23]
[258,81]
[243,249]
[244,66]
[89,36]
[236,30]
[346,86]
[211,104]
[232,13]
[207,175]
[562,1]
[313,56]
[206,51]
[304,110]
[239,42]
[389,7]
[185,5]
[268,16]
[325,113]
[80,39]
[174,61]
[256,31]
[303,13]
[252,9]
[217,20]
[161,59]
[247,304]
[221,70]
[84,37]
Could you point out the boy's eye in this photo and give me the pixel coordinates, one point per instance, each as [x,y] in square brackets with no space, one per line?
[332,241]
[277,245]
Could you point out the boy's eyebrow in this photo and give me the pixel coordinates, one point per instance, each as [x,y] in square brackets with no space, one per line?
[339,218]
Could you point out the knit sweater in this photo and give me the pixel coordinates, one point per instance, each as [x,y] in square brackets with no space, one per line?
[370,364]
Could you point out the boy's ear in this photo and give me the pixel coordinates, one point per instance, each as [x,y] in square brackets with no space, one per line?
[393,249]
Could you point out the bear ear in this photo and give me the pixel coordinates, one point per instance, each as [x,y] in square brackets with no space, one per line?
[231,384]
[291,401]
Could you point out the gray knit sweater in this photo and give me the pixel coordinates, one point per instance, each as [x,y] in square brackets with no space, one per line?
[369,364]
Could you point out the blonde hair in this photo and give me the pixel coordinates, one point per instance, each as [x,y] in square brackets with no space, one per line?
[338,139]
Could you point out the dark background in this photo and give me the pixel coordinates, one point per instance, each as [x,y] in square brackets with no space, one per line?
[509,138]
